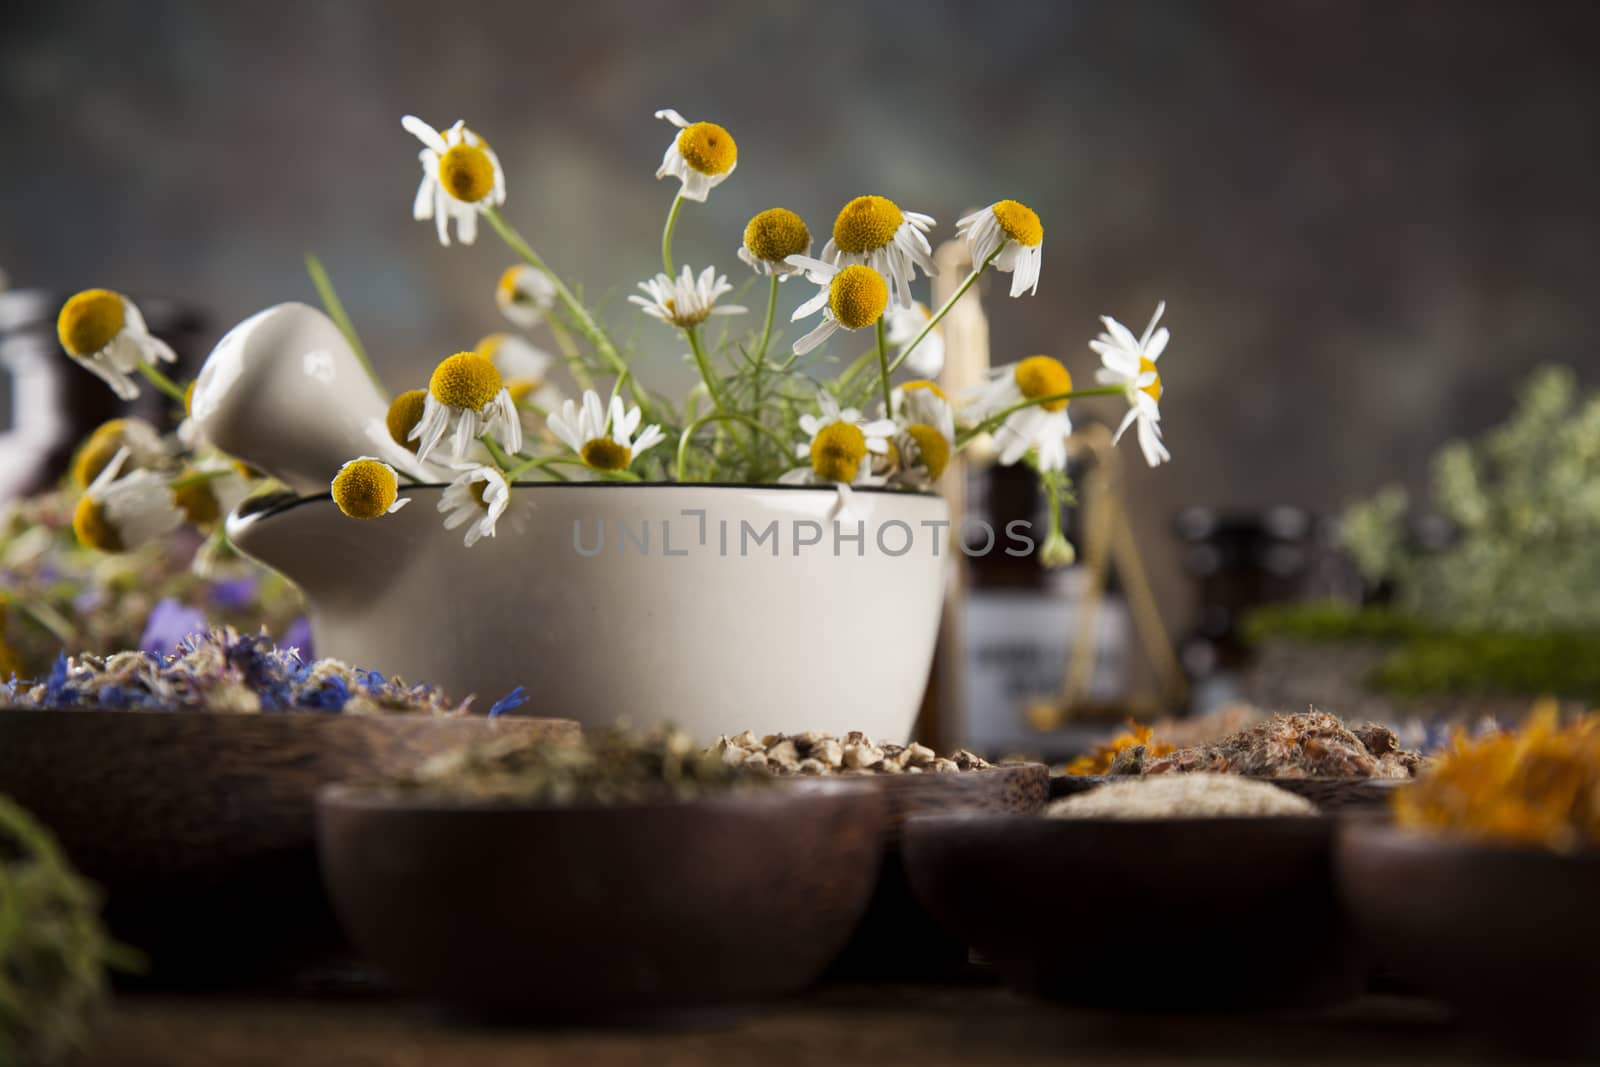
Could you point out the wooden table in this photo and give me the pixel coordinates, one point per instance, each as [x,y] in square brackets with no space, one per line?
[979,1026]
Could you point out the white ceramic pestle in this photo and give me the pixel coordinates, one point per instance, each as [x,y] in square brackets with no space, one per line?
[284,392]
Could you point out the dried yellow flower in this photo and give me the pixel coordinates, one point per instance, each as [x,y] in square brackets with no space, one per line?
[1538,786]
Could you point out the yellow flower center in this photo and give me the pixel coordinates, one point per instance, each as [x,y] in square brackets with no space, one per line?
[1040,376]
[99,450]
[693,317]
[480,493]
[858,296]
[522,388]
[93,528]
[837,451]
[465,380]
[489,346]
[506,289]
[923,383]
[90,321]
[365,489]
[1019,222]
[776,234]
[932,445]
[404,414]
[198,502]
[708,148]
[188,396]
[604,454]
[1153,390]
[866,223]
[466,173]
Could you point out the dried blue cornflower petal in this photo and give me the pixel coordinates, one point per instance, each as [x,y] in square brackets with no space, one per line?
[514,699]
[170,622]
[222,670]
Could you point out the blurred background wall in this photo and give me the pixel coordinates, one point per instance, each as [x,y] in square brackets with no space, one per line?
[1369,219]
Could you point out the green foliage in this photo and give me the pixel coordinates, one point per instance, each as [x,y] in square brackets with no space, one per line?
[53,950]
[1526,502]
[1429,659]
[1329,620]
[1564,665]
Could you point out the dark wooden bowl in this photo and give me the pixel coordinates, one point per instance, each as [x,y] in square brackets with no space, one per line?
[1330,795]
[1235,913]
[201,826]
[1509,935]
[897,938]
[637,912]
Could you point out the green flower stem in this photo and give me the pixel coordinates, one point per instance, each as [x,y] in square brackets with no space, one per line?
[883,369]
[666,232]
[706,374]
[501,460]
[163,383]
[933,320]
[335,308]
[843,383]
[198,478]
[569,353]
[580,315]
[766,329]
[965,437]
[689,432]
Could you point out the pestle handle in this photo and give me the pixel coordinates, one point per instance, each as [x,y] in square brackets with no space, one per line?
[283,392]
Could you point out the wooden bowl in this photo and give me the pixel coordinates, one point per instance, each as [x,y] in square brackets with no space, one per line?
[1508,934]
[200,826]
[1226,913]
[633,912]
[897,938]
[1330,795]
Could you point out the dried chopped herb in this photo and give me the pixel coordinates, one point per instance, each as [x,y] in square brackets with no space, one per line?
[1312,744]
[605,767]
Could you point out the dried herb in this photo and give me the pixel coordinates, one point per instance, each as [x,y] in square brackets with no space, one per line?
[222,670]
[1117,756]
[606,767]
[53,949]
[1312,744]
[1539,786]
[854,753]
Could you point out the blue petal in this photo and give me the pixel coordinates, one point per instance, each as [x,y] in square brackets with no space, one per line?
[514,699]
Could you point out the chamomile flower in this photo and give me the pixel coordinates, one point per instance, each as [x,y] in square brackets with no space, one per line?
[525,295]
[105,333]
[1016,232]
[850,297]
[466,389]
[770,238]
[701,156]
[603,437]
[461,177]
[120,512]
[367,488]
[209,491]
[479,495]
[903,324]
[872,230]
[524,367]
[925,435]
[685,301]
[142,442]
[1042,426]
[1130,362]
[840,446]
